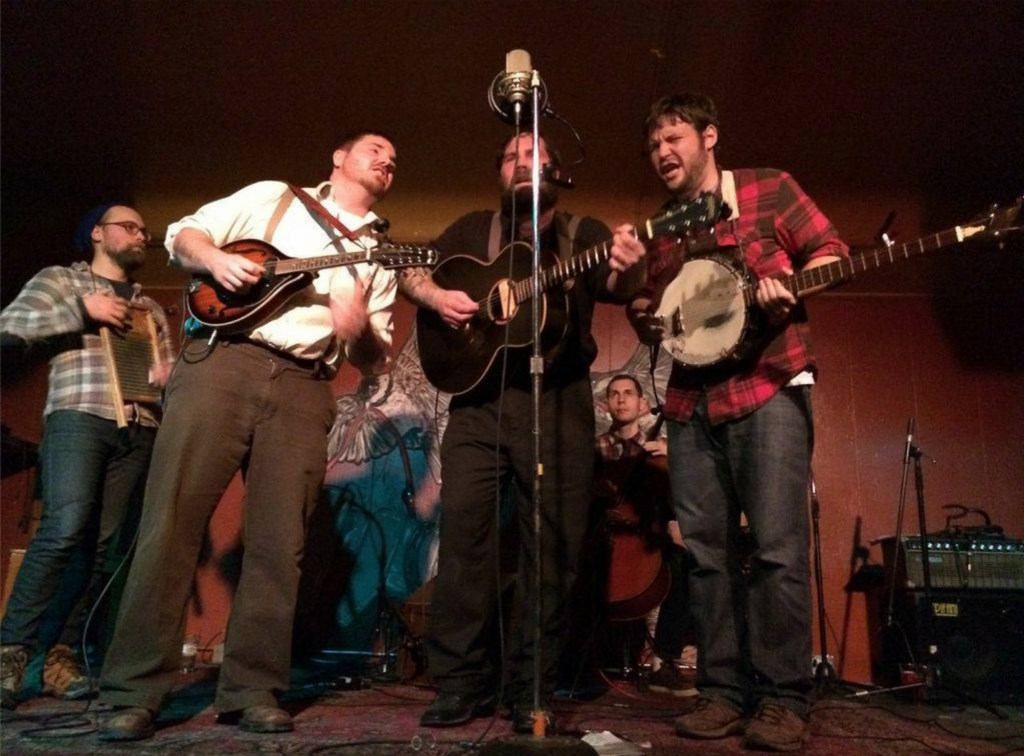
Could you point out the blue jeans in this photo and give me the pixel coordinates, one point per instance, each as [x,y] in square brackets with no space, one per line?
[753,632]
[91,472]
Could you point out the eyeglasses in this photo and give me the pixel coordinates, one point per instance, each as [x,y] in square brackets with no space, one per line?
[131,227]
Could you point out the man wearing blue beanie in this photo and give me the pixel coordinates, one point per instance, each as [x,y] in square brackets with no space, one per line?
[92,471]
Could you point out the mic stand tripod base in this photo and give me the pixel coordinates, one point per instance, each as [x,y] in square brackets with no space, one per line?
[514,745]
[825,677]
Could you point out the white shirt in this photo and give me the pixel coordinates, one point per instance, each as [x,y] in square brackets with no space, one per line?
[304,328]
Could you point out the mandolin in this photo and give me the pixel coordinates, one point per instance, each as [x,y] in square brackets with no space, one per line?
[283,277]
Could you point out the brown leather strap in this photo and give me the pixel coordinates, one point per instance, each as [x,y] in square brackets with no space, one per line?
[279,211]
[315,207]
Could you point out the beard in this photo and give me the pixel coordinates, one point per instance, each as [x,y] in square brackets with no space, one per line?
[524,199]
[128,258]
[694,170]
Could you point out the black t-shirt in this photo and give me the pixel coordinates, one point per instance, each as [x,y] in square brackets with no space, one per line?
[571,360]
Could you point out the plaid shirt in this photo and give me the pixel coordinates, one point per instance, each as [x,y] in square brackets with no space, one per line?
[49,310]
[778,226]
[615,460]
[612,448]
[618,465]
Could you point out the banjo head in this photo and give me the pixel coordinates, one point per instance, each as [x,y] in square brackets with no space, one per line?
[703,312]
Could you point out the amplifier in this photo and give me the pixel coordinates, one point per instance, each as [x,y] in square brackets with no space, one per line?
[961,563]
[978,636]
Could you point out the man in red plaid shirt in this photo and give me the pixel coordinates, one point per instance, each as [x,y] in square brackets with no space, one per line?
[740,437]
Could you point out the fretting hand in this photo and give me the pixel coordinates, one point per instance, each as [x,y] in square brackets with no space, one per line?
[775,299]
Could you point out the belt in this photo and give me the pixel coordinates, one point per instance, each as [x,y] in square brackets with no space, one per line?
[304,363]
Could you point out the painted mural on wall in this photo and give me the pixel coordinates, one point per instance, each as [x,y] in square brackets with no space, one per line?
[374,541]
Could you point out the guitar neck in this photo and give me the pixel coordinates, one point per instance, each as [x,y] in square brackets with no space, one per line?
[574,266]
[824,277]
[386,256]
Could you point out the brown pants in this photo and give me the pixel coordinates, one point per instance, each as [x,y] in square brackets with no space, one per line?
[246,407]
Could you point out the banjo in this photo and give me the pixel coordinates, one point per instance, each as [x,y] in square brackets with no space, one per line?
[708,313]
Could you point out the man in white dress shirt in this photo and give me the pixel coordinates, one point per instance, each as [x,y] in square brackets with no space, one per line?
[260,402]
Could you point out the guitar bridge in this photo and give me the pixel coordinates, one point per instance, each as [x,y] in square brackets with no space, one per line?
[676,326]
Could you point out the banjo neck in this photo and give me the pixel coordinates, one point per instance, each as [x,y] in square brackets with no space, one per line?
[812,280]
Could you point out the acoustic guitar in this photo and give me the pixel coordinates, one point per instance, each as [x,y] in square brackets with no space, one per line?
[456,360]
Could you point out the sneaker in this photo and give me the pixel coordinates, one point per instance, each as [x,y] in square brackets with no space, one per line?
[776,728]
[13,660]
[710,718]
[667,679]
[62,677]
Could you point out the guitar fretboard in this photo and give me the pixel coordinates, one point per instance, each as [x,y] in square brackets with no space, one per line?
[523,290]
[835,273]
[388,256]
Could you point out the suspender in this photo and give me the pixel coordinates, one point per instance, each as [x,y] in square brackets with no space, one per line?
[565,231]
[320,215]
[282,206]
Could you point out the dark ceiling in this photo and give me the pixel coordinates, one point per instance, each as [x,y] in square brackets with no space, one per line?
[909,106]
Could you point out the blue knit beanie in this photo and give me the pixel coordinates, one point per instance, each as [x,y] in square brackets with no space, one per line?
[82,240]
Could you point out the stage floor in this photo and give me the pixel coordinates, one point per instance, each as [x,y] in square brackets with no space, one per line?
[384,719]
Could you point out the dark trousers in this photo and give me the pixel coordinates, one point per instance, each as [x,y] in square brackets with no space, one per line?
[463,615]
[240,407]
[674,627]
[91,473]
[754,635]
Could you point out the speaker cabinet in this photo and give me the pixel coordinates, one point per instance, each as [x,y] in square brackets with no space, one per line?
[979,638]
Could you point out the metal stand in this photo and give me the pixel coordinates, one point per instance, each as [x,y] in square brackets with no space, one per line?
[540,741]
[825,676]
[928,673]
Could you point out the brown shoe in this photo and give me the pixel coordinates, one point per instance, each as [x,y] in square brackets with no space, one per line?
[62,677]
[266,719]
[668,680]
[13,660]
[776,728]
[128,724]
[710,718]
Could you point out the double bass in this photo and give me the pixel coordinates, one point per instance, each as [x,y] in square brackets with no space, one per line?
[638,576]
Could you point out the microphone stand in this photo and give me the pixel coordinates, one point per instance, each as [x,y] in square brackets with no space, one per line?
[540,741]
[824,673]
[928,674]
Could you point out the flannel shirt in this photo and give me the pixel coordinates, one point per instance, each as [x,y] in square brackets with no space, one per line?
[618,465]
[776,225]
[49,310]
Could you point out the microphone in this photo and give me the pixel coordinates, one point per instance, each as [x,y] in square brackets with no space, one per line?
[553,174]
[509,94]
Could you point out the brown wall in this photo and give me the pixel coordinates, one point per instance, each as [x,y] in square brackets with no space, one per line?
[882,359]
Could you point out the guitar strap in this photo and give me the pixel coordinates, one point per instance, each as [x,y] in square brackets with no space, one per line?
[729,194]
[320,214]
